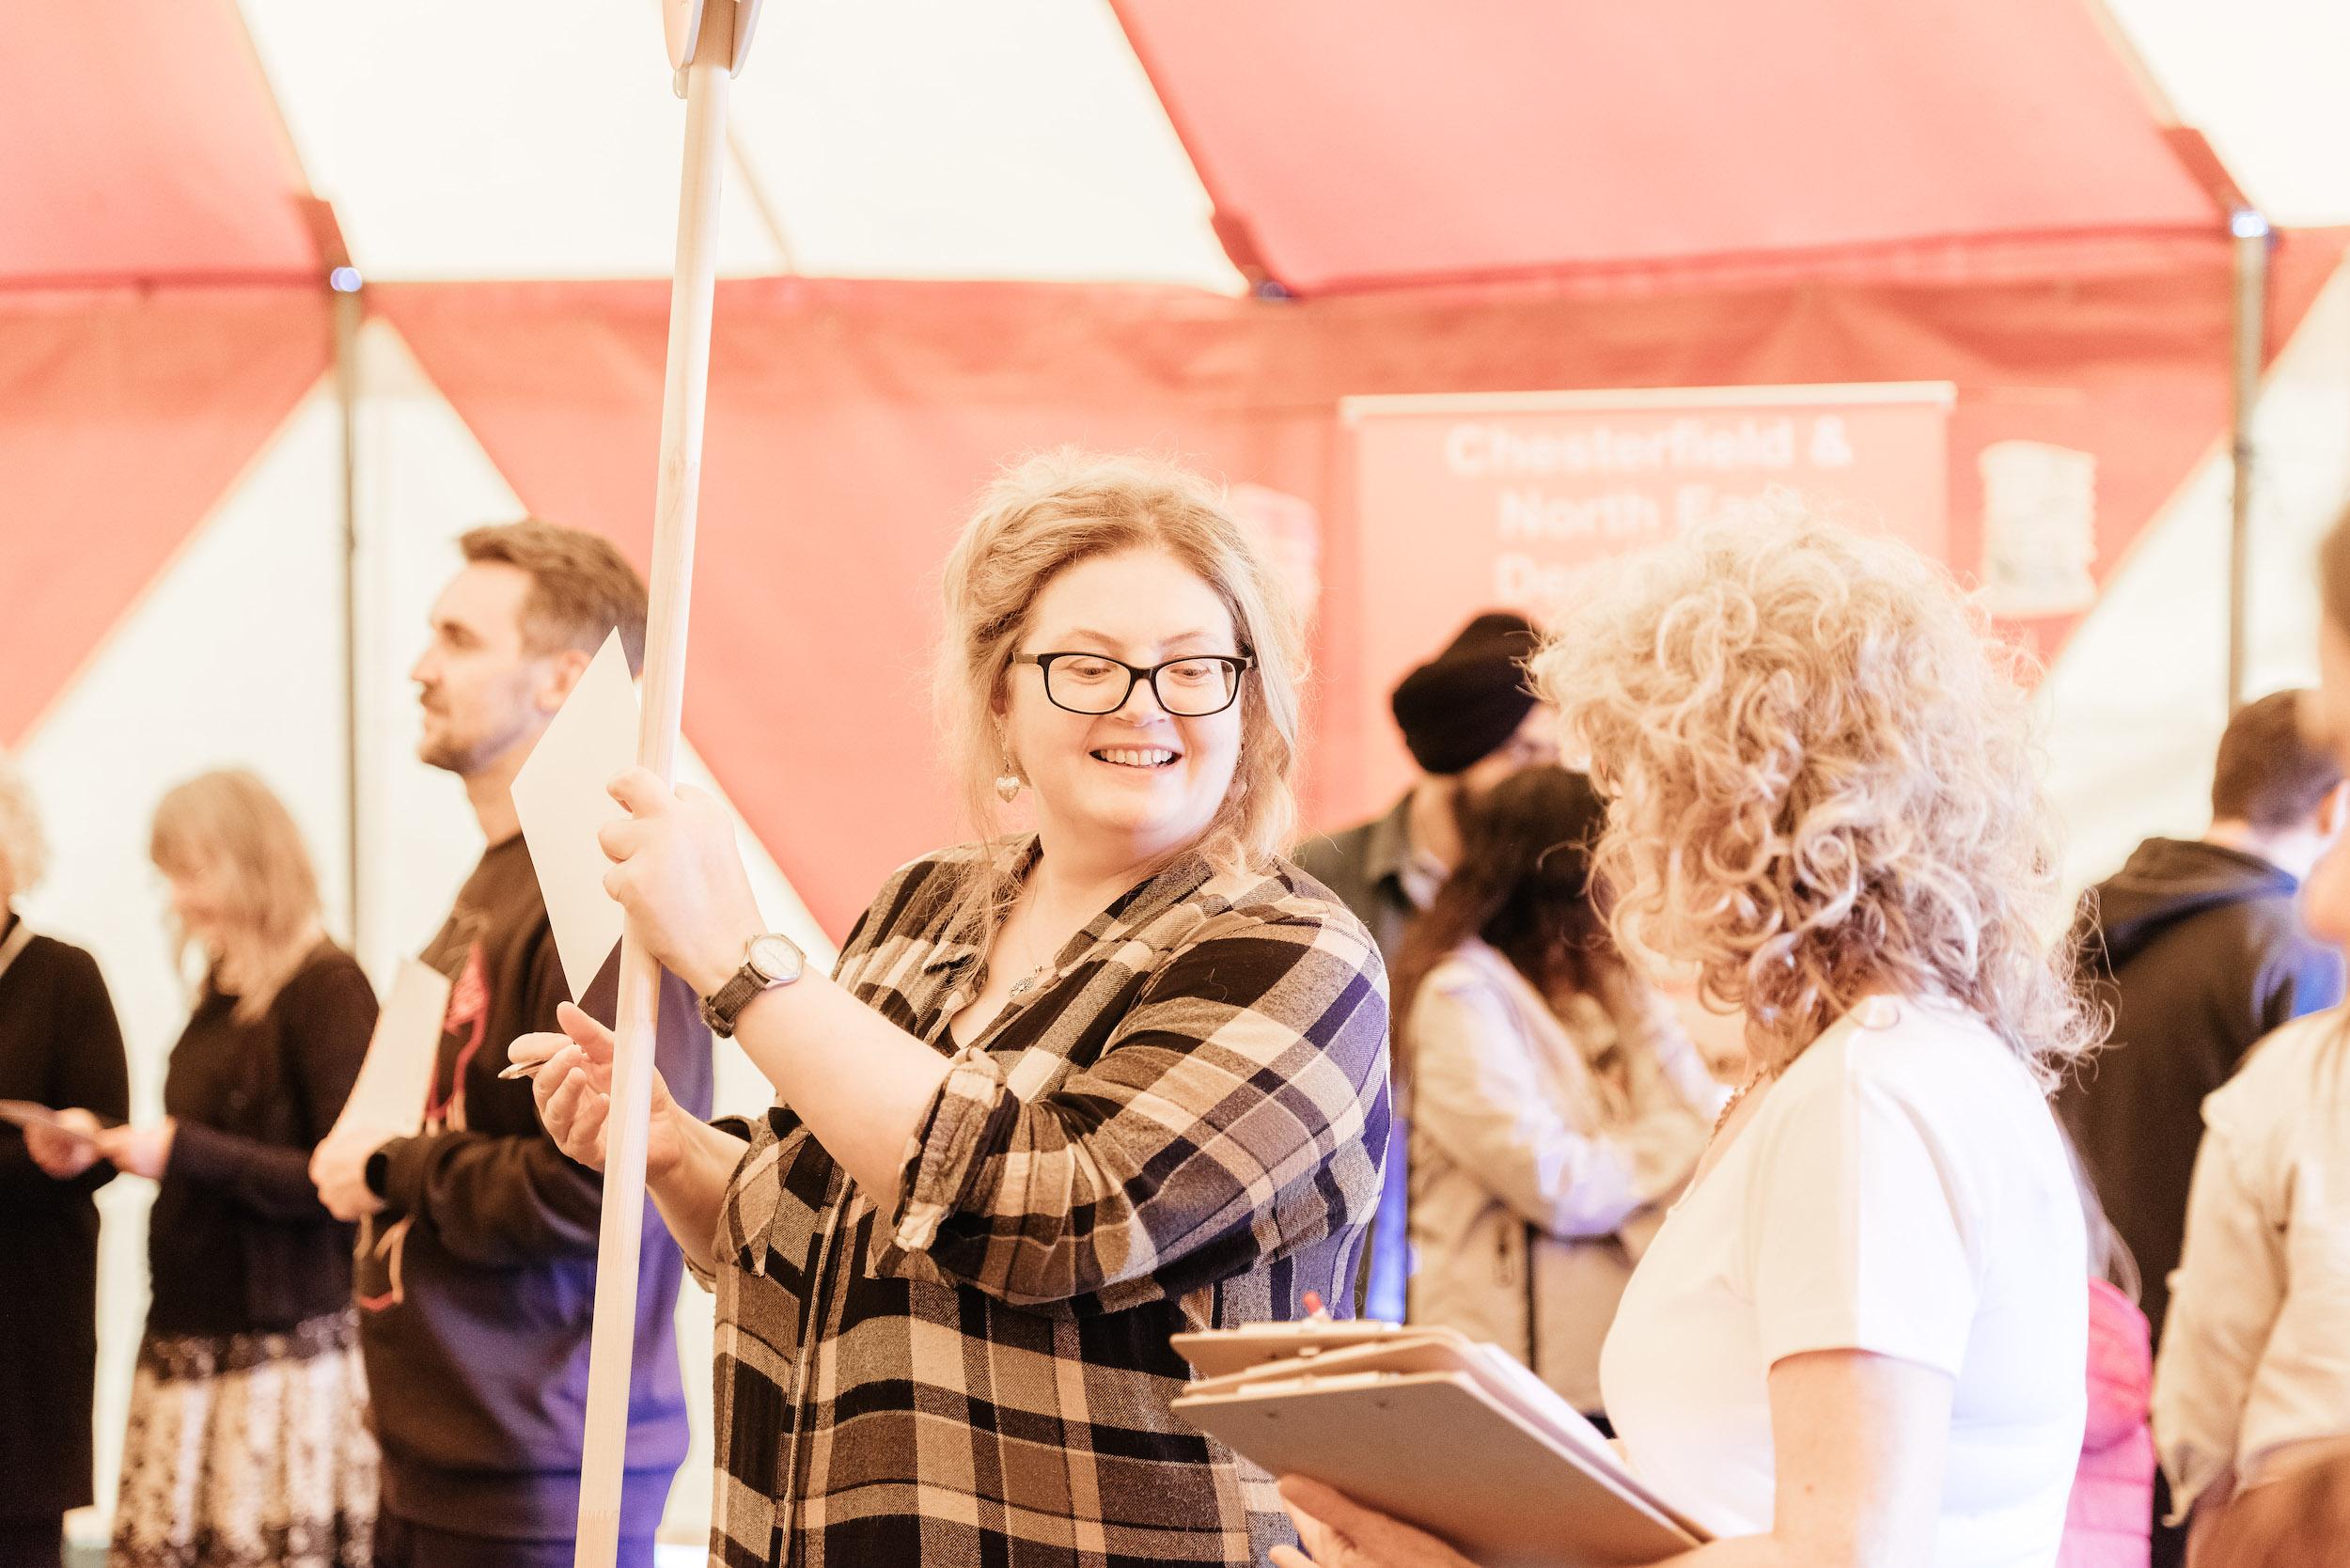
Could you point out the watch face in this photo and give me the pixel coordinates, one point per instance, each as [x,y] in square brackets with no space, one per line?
[776,958]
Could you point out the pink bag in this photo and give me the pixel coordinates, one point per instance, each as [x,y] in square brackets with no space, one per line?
[2110,1522]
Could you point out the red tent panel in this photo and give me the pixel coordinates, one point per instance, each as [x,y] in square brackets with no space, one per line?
[1348,146]
[850,423]
[123,422]
[148,145]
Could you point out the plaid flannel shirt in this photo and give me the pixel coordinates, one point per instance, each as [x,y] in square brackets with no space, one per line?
[1178,1128]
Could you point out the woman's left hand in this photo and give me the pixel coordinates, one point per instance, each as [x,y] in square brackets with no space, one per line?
[1339,1533]
[141,1151]
[676,873]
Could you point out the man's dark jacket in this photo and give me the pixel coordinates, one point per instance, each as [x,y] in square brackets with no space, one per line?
[2199,951]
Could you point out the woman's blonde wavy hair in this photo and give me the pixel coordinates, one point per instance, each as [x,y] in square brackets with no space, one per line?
[1824,784]
[1041,516]
[24,849]
[231,829]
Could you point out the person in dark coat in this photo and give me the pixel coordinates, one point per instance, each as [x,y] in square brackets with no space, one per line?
[1469,721]
[60,1045]
[476,1278]
[2197,949]
[246,1438]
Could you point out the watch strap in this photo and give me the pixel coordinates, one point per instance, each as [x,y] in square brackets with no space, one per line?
[724,1006]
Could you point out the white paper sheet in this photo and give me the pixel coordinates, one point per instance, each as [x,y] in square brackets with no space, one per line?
[387,1099]
[559,795]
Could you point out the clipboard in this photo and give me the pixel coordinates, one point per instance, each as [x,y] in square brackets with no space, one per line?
[1497,1374]
[1435,1450]
[1221,1352]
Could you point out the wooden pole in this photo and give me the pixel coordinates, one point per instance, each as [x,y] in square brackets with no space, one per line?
[612,1350]
[2251,328]
[349,316]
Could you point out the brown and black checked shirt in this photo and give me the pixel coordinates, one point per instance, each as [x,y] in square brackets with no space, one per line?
[1176,1129]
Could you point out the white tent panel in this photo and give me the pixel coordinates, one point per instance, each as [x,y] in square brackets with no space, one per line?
[458,139]
[2137,701]
[2263,79]
[928,138]
[938,138]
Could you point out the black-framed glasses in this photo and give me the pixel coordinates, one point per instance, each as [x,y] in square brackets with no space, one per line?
[1193,686]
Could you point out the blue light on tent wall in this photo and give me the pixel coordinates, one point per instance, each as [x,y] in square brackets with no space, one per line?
[344,280]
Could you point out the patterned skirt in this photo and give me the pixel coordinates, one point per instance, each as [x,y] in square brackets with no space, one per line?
[248,1451]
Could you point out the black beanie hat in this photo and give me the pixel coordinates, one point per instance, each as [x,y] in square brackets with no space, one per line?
[1457,709]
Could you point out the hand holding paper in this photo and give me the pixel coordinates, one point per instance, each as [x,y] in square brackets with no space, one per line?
[387,1099]
[611,843]
[676,873]
[339,1168]
[64,1143]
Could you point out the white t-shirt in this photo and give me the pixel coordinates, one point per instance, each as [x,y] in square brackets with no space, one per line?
[1901,1189]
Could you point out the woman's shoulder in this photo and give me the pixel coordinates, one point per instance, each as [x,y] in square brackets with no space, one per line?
[1926,1105]
[68,969]
[327,975]
[2302,1067]
[1940,1066]
[917,893]
[1473,968]
[55,953]
[1275,900]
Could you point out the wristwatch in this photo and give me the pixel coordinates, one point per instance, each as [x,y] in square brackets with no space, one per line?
[769,961]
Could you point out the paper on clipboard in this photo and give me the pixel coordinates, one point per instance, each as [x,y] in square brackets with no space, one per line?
[26,1113]
[387,1099]
[559,795]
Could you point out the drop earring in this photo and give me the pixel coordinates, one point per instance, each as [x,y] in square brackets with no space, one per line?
[1008,783]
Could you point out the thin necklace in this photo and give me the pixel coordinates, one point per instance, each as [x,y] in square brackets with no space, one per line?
[1027,983]
[1754,1080]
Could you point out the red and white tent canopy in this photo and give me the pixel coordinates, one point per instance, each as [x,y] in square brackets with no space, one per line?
[954,232]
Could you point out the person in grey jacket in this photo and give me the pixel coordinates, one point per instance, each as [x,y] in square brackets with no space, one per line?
[1557,1105]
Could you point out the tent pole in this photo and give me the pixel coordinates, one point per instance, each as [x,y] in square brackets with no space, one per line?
[349,314]
[2251,234]
[708,39]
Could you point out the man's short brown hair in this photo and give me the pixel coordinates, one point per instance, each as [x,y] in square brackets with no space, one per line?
[2268,774]
[581,586]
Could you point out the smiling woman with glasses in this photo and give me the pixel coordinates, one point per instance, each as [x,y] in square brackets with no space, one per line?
[1070,1091]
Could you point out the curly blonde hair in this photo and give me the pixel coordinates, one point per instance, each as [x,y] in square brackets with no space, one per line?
[1823,767]
[1046,513]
